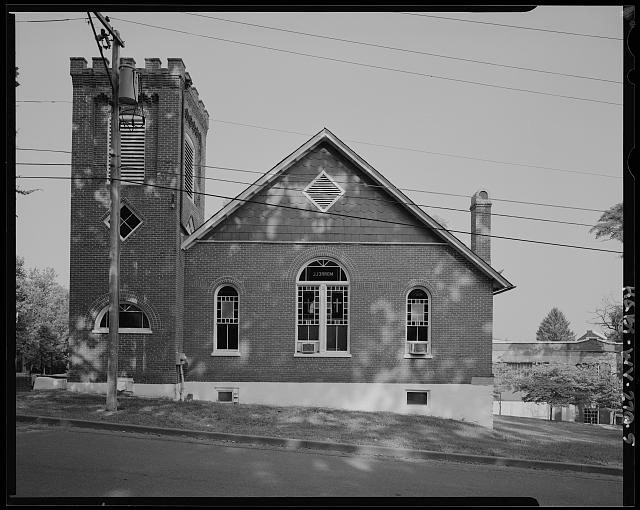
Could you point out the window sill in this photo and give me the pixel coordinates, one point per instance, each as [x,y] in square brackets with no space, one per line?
[418,356]
[226,353]
[323,355]
[124,330]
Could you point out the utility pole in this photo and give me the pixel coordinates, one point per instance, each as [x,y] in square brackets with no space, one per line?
[114,247]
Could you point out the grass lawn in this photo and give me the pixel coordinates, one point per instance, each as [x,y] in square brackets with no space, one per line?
[524,438]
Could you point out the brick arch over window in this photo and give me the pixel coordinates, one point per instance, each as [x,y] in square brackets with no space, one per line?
[419,283]
[226,280]
[126,296]
[309,255]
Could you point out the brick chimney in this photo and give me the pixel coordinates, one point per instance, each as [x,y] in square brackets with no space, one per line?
[481,224]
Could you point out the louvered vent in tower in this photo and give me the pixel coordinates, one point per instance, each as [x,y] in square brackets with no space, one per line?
[323,191]
[132,128]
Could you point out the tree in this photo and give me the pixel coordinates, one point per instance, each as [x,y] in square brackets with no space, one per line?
[555,328]
[610,224]
[561,384]
[503,380]
[609,317]
[42,307]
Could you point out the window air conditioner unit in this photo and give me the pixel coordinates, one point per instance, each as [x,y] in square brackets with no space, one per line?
[417,347]
[308,347]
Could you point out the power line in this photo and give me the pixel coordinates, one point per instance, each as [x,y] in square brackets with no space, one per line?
[172,188]
[46,20]
[410,149]
[386,201]
[513,26]
[371,66]
[42,101]
[362,184]
[446,154]
[405,50]
[42,150]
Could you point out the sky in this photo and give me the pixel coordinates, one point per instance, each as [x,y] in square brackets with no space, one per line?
[423,125]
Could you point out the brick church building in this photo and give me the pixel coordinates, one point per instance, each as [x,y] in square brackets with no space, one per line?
[319,285]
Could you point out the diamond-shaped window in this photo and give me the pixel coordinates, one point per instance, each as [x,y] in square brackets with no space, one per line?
[128,222]
[323,191]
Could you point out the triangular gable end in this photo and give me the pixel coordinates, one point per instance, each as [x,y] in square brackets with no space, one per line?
[500,283]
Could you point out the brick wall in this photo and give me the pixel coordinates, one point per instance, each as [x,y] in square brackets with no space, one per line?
[380,276]
[150,262]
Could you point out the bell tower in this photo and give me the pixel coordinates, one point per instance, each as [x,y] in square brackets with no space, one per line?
[163,150]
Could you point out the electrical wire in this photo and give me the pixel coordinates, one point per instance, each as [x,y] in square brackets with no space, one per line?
[512,26]
[405,50]
[371,66]
[41,101]
[46,20]
[409,149]
[180,189]
[343,182]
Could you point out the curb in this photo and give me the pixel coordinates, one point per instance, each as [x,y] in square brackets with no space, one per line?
[294,444]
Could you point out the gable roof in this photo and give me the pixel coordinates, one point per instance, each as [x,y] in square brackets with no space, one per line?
[500,283]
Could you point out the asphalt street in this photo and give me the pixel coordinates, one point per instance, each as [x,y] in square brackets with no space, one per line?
[59,462]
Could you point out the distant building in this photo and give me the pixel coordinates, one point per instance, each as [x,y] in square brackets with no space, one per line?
[590,348]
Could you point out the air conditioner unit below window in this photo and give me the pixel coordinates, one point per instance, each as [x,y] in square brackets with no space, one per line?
[417,347]
[308,347]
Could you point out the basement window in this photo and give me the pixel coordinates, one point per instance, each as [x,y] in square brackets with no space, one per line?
[228,395]
[417,398]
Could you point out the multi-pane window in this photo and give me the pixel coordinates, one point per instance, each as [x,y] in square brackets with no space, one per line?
[337,317]
[322,309]
[189,162]
[128,222]
[132,130]
[227,320]
[131,320]
[590,415]
[418,322]
[308,313]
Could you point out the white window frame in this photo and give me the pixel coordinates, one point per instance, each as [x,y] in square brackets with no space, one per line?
[105,310]
[107,220]
[224,352]
[407,354]
[192,195]
[322,326]
[235,394]
[419,406]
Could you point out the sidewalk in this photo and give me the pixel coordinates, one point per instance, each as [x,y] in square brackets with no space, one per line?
[323,445]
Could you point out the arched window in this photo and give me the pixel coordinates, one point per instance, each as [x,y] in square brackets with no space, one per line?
[322,324]
[131,320]
[226,340]
[418,313]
